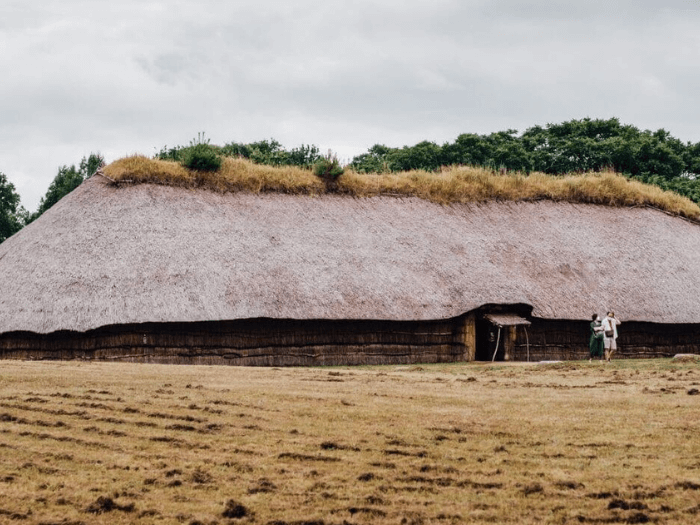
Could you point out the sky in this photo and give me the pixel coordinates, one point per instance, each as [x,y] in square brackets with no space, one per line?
[128,77]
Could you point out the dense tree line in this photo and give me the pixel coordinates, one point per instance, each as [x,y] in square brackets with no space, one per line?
[582,145]
[573,146]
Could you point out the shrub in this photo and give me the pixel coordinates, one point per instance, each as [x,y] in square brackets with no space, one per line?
[328,167]
[201,156]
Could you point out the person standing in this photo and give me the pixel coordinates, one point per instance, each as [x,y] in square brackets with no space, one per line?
[610,331]
[595,344]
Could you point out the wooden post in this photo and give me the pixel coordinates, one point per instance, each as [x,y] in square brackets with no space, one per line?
[470,337]
[509,343]
[498,340]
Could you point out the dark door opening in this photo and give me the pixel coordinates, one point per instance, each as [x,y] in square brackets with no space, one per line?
[486,339]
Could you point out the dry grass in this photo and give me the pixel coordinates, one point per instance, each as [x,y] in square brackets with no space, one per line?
[234,175]
[452,185]
[459,443]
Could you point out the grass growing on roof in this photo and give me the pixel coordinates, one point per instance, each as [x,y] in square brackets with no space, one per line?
[234,175]
[450,185]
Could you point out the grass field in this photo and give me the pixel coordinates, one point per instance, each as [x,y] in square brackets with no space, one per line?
[460,443]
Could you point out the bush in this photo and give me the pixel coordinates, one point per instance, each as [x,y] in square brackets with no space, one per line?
[328,167]
[200,156]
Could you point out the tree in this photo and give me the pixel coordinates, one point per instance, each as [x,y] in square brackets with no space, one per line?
[577,145]
[507,152]
[374,161]
[423,156]
[692,160]
[12,215]
[592,145]
[656,156]
[304,156]
[511,156]
[89,165]
[468,149]
[67,179]
[272,153]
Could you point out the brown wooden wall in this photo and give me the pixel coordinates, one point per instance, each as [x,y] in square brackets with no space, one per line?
[259,342]
[568,340]
[270,342]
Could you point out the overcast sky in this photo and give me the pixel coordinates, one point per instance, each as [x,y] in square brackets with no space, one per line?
[131,76]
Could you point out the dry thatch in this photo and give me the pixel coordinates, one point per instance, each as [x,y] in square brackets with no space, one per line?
[109,255]
[459,184]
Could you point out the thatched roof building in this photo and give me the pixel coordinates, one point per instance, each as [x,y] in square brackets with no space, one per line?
[154,259]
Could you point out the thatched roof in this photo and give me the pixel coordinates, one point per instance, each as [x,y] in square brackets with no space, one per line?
[146,253]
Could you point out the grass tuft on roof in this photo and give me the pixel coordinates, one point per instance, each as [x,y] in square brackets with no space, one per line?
[459,184]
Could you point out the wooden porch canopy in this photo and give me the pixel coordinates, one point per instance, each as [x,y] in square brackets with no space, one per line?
[508,320]
[501,320]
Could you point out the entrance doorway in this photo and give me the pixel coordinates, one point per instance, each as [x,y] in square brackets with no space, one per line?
[495,335]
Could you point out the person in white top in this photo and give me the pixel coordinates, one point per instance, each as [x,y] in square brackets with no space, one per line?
[610,331]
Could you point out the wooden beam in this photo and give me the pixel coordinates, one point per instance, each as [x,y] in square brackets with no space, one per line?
[470,337]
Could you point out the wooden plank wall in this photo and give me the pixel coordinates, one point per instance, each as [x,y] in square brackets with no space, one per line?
[568,340]
[267,342]
[257,342]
